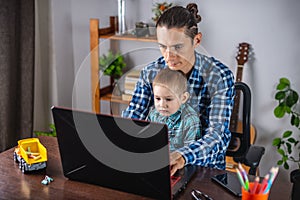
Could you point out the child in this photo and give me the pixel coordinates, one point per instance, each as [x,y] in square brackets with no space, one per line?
[170,96]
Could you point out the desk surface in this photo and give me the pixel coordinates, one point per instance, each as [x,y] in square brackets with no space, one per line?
[14,184]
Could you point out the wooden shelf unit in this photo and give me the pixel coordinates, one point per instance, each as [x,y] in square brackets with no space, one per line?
[98,93]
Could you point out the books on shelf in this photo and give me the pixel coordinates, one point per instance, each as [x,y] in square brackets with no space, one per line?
[131,79]
[134,73]
[126,97]
[129,86]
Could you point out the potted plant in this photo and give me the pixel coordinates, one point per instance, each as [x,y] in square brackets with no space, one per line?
[51,132]
[112,65]
[288,146]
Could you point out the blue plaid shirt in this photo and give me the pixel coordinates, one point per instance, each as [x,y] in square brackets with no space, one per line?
[211,88]
[183,125]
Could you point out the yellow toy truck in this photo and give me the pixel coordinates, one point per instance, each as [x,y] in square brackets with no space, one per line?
[30,154]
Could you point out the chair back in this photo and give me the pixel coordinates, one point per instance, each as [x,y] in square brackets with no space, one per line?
[240,142]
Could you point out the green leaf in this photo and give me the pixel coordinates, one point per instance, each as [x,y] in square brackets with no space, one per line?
[286,165]
[279,111]
[289,147]
[292,99]
[284,81]
[293,120]
[280,95]
[52,126]
[296,121]
[277,142]
[292,140]
[281,86]
[280,162]
[295,95]
[287,109]
[281,152]
[287,134]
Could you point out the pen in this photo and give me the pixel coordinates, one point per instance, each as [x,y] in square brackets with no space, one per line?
[264,184]
[239,175]
[273,174]
[196,194]
[244,176]
[256,181]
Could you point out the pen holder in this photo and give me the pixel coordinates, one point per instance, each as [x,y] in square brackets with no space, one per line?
[246,195]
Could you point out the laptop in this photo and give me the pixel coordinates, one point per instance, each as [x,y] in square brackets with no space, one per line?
[119,153]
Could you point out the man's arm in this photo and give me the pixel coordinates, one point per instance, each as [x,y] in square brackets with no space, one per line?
[141,101]
[214,142]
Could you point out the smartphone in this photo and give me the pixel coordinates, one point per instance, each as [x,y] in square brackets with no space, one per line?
[230,182]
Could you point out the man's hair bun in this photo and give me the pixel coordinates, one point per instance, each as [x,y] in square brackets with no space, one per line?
[193,8]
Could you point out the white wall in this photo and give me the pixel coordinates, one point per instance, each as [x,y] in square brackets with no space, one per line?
[270,26]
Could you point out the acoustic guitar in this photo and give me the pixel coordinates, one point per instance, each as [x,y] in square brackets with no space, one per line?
[235,124]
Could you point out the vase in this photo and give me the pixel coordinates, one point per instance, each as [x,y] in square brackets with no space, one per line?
[295,179]
[116,89]
[121,17]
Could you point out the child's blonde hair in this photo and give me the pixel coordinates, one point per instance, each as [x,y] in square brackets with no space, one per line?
[172,79]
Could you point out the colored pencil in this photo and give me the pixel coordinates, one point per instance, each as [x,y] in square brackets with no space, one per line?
[239,175]
[254,188]
[273,174]
[264,184]
[244,174]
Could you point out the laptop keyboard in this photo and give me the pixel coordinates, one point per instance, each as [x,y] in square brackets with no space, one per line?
[174,180]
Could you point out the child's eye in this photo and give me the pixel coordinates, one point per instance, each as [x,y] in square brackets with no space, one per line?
[157,98]
[169,99]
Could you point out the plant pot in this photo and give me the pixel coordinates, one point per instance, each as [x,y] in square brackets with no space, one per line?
[116,89]
[295,179]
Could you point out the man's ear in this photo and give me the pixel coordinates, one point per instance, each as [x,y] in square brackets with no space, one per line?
[184,97]
[197,39]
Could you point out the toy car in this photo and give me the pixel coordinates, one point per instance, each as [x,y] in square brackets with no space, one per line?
[31,155]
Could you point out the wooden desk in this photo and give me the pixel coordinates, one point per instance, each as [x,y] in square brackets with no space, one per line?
[15,185]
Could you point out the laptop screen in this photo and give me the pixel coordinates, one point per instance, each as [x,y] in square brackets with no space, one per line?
[114,152]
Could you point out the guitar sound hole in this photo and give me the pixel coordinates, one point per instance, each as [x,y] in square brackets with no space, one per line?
[234,144]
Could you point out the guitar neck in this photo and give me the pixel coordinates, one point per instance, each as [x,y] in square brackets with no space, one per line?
[235,112]
[239,73]
[241,58]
